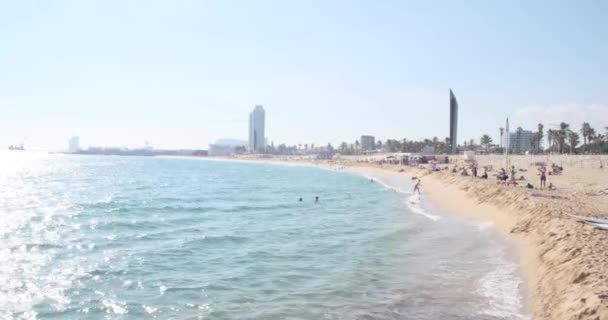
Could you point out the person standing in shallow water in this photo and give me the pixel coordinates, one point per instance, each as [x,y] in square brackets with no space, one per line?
[417,186]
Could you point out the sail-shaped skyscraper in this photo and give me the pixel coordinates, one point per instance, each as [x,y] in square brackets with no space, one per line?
[453,123]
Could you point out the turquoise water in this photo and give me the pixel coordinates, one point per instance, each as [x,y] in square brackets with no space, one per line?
[87,237]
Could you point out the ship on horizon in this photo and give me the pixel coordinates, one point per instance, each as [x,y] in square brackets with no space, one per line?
[16,148]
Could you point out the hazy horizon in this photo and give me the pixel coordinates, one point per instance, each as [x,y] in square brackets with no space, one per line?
[184,74]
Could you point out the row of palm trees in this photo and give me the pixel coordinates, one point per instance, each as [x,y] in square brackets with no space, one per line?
[560,140]
[563,139]
[405,145]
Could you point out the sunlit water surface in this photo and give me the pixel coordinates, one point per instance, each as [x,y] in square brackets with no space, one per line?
[133,237]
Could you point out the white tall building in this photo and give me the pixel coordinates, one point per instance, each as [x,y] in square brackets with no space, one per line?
[257,139]
[73,144]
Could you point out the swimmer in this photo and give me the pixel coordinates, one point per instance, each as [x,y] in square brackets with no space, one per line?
[317,199]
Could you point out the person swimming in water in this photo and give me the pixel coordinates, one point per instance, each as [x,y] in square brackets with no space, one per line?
[300,200]
[417,186]
[317,199]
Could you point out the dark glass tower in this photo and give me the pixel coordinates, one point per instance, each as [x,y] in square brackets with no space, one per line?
[453,123]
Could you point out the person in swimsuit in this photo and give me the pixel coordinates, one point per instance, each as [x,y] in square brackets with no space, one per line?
[543,178]
[417,186]
[513,175]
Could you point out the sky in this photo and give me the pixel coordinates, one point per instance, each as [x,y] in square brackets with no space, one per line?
[181,74]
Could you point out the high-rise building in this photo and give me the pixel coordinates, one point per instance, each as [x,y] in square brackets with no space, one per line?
[257,139]
[368,143]
[520,142]
[73,144]
[453,122]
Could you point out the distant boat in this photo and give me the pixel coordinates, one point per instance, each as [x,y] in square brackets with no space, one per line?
[16,148]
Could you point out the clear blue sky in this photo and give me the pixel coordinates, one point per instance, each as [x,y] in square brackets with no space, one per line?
[184,73]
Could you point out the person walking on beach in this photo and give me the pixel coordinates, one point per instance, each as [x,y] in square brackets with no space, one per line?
[543,178]
[513,175]
[417,186]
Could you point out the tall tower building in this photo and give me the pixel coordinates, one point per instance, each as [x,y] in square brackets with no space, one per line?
[257,139]
[453,122]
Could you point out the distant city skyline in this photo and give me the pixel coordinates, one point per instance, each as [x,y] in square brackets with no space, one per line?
[329,70]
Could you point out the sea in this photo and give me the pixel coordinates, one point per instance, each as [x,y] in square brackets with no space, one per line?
[109,237]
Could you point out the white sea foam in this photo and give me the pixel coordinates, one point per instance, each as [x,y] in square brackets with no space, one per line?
[162,289]
[150,309]
[485,225]
[501,287]
[387,185]
[113,307]
[413,203]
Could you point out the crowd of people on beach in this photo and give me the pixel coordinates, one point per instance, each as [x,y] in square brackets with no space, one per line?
[507,177]
[503,177]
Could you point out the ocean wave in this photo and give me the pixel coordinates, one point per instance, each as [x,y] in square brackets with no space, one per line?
[207,240]
[413,203]
[387,185]
[501,287]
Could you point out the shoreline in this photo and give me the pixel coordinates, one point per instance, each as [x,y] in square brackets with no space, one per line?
[562,262]
[459,204]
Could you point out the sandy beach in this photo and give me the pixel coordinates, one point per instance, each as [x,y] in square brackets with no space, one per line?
[564,262]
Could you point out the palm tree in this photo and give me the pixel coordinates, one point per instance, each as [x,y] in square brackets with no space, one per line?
[564,128]
[586,132]
[379,145]
[539,136]
[534,140]
[550,138]
[485,141]
[573,140]
[343,147]
[356,144]
[502,132]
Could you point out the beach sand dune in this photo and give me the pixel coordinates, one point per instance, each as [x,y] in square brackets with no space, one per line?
[565,261]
